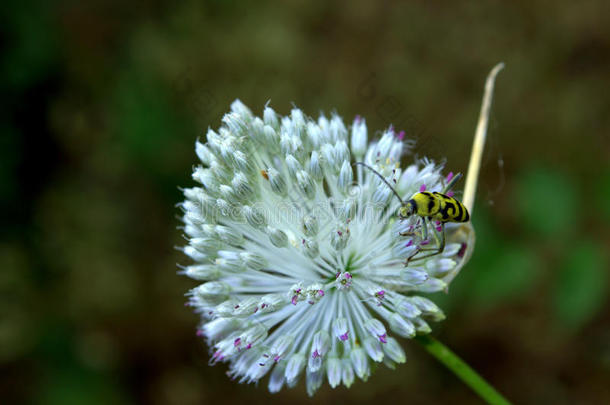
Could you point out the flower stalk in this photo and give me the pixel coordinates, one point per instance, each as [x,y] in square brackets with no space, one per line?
[462,370]
[433,346]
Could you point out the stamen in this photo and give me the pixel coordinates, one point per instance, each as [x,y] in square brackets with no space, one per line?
[379,296]
[344,280]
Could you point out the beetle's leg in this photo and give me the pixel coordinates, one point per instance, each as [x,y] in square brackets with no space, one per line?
[412,230]
[424,230]
[424,236]
[438,230]
[433,251]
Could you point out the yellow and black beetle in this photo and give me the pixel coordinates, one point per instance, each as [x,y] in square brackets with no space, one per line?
[430,206]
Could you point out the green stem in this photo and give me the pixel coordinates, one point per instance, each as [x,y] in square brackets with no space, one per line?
[462,370]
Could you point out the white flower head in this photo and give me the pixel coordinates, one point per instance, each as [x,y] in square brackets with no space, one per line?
[300,252]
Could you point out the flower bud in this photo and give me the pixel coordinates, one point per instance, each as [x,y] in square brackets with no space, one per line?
[255,217]
[376,328]
[333,371]
[277,237]
[394,351]
[276,181]
[253,260]
[340,329]
[277,378]
[310,248]
[346,176]
[414,277]
[373,348]
[306,184]
[295,365]
[293,165]
[270,118]
[315,166]
[347,372]
[360,363]
[359,138]
[310,225]
[402,326]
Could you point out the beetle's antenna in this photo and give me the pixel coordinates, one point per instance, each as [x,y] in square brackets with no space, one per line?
[383,179]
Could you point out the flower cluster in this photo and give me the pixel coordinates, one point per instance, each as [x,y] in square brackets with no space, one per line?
[300,252]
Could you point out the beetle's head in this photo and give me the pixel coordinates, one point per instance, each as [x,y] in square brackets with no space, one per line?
[407,209]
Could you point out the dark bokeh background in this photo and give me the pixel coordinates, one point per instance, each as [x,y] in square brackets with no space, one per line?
[102,102]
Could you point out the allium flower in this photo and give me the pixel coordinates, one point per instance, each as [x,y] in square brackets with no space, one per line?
[301,260]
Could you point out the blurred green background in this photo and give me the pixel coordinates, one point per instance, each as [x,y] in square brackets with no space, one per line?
[102,102]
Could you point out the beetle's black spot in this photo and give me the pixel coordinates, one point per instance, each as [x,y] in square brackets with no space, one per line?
[460,212]
[431,204]
[466,216]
